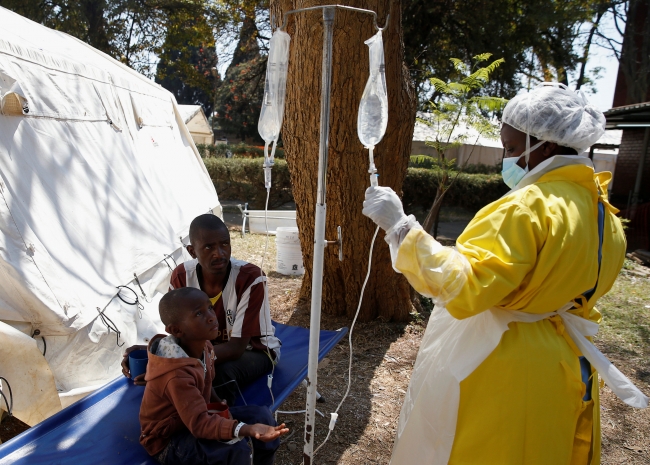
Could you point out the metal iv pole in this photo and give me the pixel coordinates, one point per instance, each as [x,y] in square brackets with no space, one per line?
[319,226]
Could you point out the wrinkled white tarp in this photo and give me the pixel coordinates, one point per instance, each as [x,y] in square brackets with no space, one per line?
[99,180]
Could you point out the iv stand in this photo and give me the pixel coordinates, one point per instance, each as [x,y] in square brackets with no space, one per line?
[319,226]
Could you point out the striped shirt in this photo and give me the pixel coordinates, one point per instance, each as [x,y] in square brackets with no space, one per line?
[243,309]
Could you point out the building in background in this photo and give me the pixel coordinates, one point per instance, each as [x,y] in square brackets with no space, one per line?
[477,149]
[197,123]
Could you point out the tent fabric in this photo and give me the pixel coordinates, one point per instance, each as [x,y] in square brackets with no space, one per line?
[99,181]
[104,427]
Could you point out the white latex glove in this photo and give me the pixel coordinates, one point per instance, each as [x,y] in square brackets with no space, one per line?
[383,206]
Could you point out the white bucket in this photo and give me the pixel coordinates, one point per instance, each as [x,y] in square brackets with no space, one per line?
[289,256]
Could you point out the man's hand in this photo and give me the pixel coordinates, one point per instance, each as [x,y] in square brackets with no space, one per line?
[230,350]
[264,433]
[214,397]
[383,206]
[138,380]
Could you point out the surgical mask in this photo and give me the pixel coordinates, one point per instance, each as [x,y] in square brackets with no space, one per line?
[513,173]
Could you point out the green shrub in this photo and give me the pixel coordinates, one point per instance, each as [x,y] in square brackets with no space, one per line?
[209,150]
[429,162]
[240,150]
[470,191]
[243,179]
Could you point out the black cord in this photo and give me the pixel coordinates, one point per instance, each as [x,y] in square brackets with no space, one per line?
[135,296]
[172,258]
[110,325]
[10,405]
[37,332]
[137,281]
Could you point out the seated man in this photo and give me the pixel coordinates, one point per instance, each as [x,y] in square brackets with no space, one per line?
[245,347]
[177,426]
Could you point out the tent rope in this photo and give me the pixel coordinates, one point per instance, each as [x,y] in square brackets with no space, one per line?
[10,403]
[37,332]
[108,322]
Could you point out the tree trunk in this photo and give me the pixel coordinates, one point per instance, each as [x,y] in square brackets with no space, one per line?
[585,50]
[97,35]
[387,293]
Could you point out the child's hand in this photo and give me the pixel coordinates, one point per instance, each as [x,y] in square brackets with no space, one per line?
[138,380]
[264,433]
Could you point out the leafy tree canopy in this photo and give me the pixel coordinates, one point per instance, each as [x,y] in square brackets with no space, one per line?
[537,39]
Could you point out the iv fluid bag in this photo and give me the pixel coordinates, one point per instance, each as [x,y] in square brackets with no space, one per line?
[373,109]
[275,87]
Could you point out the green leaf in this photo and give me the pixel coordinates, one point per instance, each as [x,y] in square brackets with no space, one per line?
[439,85]
[491,104]
[459,65]
[482,57]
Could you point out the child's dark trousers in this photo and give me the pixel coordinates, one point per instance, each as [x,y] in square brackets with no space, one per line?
[184,448]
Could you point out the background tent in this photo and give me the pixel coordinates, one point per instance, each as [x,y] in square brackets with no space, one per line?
[196,122]
[99,180]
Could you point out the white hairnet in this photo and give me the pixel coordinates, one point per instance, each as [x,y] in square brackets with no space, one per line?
[554,113]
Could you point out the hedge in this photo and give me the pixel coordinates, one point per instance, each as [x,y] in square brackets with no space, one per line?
[237,150]
[427,161]
[470,191]
[243,179]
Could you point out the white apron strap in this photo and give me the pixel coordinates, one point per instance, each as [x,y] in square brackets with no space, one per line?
[578,328]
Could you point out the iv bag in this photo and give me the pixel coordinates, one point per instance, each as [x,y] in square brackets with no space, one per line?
[373,109]
[272,112]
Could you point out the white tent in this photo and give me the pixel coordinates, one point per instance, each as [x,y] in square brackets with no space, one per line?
[477,148]
[99,180]
[196,122]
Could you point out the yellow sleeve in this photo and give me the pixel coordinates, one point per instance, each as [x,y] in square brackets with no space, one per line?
[494,254]
[433,270]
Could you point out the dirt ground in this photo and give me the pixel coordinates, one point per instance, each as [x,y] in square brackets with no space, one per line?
[384,354]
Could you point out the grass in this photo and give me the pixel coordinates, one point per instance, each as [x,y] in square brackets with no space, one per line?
[624,337]
[625,327]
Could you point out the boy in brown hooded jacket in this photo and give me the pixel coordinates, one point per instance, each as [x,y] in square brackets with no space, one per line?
[177,427]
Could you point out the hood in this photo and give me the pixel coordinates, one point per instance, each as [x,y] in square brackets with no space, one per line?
[159,366]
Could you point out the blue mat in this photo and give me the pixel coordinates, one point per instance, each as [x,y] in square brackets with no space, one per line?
[103,428]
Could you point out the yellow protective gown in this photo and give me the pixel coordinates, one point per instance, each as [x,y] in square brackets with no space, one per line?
[533,251]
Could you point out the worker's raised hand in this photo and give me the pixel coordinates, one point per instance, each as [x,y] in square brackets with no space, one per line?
[264,433]
[383,206]
[138,380]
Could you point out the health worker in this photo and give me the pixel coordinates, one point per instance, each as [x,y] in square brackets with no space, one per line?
[506,373]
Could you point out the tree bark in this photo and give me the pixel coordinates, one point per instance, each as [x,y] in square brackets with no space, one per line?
[387,293]
[431,219]
[585,52]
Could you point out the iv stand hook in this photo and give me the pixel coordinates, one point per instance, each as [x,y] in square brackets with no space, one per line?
[342,7]
[338,241]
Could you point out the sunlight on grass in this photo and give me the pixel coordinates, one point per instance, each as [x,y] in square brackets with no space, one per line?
[626,316]
[251,249]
